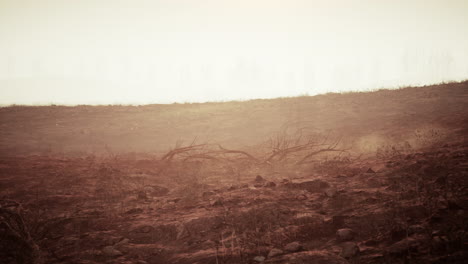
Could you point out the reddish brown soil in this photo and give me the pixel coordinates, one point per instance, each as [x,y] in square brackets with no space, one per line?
[400,186]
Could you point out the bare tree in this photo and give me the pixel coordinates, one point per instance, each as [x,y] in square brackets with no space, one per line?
[301,146]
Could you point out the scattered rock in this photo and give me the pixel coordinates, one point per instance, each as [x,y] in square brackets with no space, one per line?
[270,184]
[275,252]
[344,234]
[370,170]
[259,259]
[315,257]
[293,247]
[111,251]
[349,249]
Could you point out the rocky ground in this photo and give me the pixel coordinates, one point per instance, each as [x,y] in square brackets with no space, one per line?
[378,177]
[397,209]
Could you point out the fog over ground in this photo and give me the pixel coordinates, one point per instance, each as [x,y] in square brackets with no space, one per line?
[105,52]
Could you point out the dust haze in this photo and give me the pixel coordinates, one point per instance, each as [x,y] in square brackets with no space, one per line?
[246,132]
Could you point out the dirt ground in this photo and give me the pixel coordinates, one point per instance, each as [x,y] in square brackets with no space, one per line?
[377,177]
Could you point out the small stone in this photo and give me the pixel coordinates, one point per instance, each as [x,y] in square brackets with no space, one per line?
[144,229]
[330,192]
[216,202]
[142,195]
[293,247]
[111,251]
[441,180]
[259,179]
[344,234]
[233,187]
[123,242]
[181,231]
[301,197]
[275,252]
[454,206]
[370,170]
[270,184]
[175,200]
[134,211]
[339,221]
[416,229]
[406,245]
[439,243]
[349,250]
[315,257]
[156,191]
[259,259]
[207,194]
[314,186]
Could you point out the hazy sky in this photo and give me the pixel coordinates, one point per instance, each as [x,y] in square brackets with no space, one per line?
[142,51]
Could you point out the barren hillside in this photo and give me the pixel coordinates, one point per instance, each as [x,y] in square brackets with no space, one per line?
[364,120]
[369,178]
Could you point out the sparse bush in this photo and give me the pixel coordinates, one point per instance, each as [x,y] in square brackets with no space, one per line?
[394,151]
[16,243]
[430,137]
